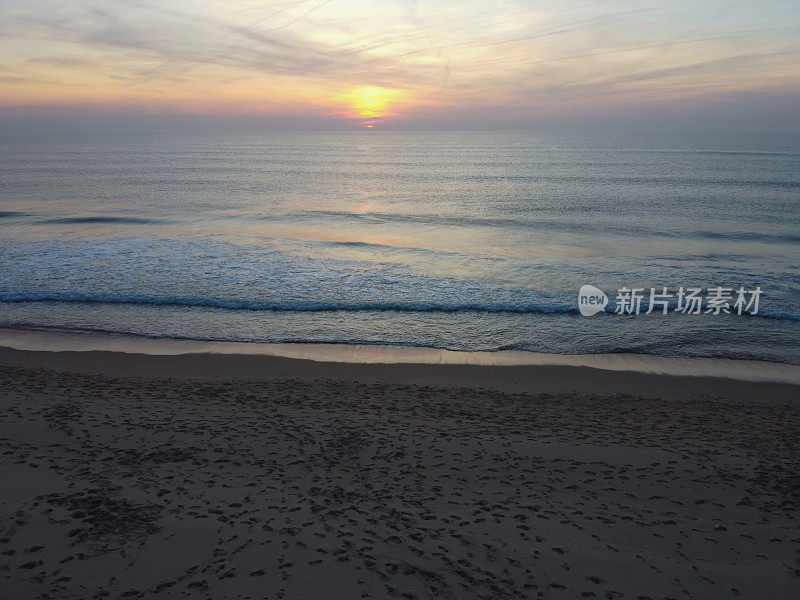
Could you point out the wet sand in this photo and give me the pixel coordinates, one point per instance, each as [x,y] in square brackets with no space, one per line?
[208,476]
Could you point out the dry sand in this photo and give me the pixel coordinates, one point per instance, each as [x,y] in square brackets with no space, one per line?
[203,476]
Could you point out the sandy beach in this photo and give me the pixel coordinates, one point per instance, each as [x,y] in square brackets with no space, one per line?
[208,476]
[321,300]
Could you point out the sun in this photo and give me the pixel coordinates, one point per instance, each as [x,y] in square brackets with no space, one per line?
[371,102]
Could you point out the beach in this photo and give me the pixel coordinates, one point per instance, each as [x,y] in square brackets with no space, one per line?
[245,476]
[446,300]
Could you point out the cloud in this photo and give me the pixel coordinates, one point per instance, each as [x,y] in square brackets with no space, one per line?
[245,56]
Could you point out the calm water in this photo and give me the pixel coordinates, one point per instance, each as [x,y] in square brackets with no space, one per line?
[475,241]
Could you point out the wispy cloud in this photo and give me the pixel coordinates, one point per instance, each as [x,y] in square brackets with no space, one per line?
[240,56]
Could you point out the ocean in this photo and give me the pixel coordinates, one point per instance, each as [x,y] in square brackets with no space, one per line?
[472,241]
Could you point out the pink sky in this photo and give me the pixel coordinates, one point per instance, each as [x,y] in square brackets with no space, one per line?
[389,64]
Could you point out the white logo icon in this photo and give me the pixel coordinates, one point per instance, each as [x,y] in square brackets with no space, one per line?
[591,300]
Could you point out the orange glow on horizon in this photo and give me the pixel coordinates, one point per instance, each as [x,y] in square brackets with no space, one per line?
[371,102]
[346,63]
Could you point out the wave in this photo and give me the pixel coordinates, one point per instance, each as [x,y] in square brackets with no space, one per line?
[326,306]
[531,223]
[545,225]
[359,244]
[632,180]
[631,349]
[274,339]
[297,306]
[388,246]
[525,176]
[102,220]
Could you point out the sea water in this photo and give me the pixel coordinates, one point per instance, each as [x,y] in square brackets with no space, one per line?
[456,240]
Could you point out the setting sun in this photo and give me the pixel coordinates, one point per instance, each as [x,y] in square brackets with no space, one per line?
[371,102]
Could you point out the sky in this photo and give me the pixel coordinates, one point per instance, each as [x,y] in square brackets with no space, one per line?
[394,64]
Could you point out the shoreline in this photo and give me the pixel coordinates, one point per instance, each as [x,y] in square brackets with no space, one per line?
[352,357]
[117,356]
